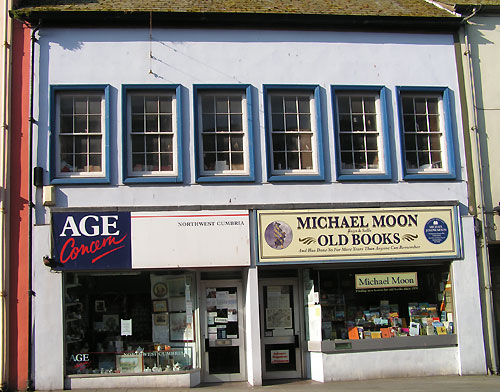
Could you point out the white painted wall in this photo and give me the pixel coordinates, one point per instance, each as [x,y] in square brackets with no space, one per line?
[190,57]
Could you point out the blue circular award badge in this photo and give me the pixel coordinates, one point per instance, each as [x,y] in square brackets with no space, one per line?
[436,231]
[278,235]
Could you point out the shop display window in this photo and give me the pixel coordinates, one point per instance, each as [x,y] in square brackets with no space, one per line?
[129,323]
[383,303]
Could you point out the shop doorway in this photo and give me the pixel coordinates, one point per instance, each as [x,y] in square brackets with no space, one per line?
[280,328]
[222,330]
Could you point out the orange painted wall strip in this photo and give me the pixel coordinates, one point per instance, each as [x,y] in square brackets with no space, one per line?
[19,209]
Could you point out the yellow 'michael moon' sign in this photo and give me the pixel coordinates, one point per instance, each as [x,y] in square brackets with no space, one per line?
[385,281]
[358,234]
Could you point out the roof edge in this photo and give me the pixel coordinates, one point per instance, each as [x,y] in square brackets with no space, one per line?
[241,20]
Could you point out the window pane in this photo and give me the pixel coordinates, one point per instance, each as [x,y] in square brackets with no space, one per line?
[435,142]
[152,162]
[305,143]
[166,162]
[306,160]
[235,105]
[410,142]
[359,160]
[421,123]
[165,123]
[278,142]
[95,124]
[422,142]
[436,160]
[236,123]
[290,105]
[420,106]
[138,144]
[80,105]
[95,144]
[278,122]
[94,105]
[80,124]
[80,163]
[292,160]
[372,160]
[208,143]
[222,161]
[138,163]
[291,122]
[66,125]
[344,105]
[151,123]
[357,123]
[207,104]
[151,104]
[276,104]
[345,123]
[237,143]
[237,161]
[370,123]
[67,163]
[304,105]
[292,142]
[432,106]
[209,161]
[137,104]
[411,160]
[371,142]
[166,143]
[370,105]
[409,123]
[347,160]
[222,143]
[221,105]
[165,105]
[345,141]
[279,161]
[152,143]
[66,145]
[95,163]
[222,123]
[305,122]
[208,123]
[423,159]
[358,142]
[66,105]
[434,123]
[356,104]
[137,123]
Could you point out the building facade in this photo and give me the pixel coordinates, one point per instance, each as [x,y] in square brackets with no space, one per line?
[218,201]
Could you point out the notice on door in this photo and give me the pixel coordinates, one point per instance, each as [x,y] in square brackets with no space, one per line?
[280,356]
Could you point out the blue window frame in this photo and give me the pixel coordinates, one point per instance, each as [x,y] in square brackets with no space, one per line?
[223,133]
[361,133]
[294,132]
[426,131]
[152,133]
[79,134]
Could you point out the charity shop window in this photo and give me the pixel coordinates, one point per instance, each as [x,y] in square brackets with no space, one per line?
[224,133]
[427,141]
[294,133]
[361,131]
[79,119]
[152,134]
[129,323]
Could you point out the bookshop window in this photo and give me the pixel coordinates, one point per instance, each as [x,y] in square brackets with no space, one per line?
[379,303]
[129,323]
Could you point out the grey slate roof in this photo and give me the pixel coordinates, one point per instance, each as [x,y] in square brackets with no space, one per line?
[409,8]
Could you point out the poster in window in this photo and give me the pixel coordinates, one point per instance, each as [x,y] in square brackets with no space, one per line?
[180,329]
[278,318]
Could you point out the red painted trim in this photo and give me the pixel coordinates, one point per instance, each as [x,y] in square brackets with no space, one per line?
[19,209]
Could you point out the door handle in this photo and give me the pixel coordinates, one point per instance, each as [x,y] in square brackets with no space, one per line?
[297,343]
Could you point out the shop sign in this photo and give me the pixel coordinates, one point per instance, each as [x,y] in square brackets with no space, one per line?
[190,239]
[386,281]
[358,234]
[91,241]
[280,356]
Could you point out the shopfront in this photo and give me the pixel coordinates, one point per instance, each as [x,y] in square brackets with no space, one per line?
[381,291]
[140,307]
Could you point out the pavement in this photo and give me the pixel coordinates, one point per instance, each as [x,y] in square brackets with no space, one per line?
[410,384]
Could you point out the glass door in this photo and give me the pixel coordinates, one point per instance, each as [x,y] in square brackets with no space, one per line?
[222,331]
[280,329]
